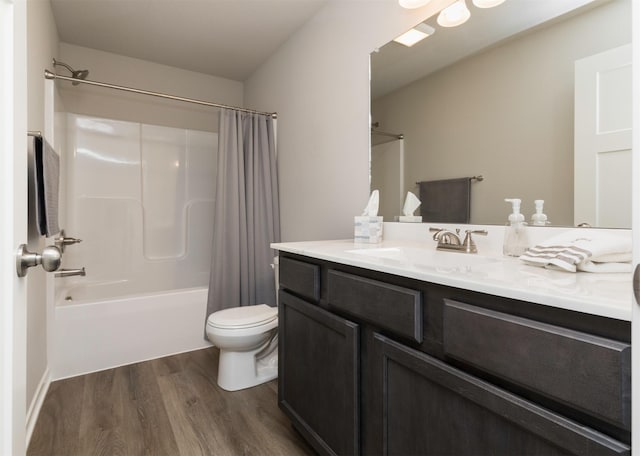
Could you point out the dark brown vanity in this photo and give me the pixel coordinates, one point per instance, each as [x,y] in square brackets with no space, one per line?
[374,363]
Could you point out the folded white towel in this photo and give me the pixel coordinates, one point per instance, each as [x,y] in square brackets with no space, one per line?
[589,250]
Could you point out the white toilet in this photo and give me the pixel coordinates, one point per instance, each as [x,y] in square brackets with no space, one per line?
[248,342]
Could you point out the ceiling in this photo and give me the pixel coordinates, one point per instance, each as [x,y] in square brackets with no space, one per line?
[232,38]
[224,38]
[395,65]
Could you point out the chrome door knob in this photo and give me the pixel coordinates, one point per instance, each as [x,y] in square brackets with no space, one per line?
[50,259]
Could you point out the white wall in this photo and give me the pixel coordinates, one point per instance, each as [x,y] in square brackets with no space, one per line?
[318,82]
[507,117]
[42,46]
[126,71]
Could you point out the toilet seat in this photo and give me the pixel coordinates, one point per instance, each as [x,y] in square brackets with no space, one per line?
[243,317]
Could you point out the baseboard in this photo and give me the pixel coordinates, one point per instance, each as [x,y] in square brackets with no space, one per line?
[36,403]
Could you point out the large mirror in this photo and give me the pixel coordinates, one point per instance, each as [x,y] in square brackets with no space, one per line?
[496,97]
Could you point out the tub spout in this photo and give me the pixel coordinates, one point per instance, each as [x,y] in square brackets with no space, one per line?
[70,272]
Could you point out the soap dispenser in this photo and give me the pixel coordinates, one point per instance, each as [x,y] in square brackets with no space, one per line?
[539,218]
[515,236]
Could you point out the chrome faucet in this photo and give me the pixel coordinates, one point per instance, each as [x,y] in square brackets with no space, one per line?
[450,241]
[62,241]
[446,237]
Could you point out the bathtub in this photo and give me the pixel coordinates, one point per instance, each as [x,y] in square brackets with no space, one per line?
[91,333]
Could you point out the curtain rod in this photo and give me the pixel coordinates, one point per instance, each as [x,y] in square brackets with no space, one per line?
[51,75]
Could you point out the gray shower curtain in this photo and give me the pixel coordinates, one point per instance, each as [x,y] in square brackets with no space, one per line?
[246,212]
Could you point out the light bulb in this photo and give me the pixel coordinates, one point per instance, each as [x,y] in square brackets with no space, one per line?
[414,35]
[454,15]
[487,3]
[412,4]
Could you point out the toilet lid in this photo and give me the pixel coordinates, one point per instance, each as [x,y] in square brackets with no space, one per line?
[243,317]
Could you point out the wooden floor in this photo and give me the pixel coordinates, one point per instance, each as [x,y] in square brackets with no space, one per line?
[168,406]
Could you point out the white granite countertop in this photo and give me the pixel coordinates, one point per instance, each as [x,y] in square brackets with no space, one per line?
[607,295]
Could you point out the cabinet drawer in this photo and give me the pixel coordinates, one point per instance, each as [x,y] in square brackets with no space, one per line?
[300,277]
[391,307]
[431,408]
[587,372]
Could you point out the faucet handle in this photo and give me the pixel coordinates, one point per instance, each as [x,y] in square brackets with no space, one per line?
[437,232]
[62,241]
[469,244]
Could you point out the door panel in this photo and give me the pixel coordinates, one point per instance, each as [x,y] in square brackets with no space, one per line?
[319,375]
[13,224]
[432,408]
[602,155]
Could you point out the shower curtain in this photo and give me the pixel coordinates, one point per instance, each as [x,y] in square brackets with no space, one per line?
[246,212]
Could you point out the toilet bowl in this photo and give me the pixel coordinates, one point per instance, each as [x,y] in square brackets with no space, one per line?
[248,342]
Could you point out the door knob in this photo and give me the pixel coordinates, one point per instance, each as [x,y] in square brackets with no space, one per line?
[50,259]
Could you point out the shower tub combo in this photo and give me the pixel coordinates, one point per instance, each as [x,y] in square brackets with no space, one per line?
[141,198]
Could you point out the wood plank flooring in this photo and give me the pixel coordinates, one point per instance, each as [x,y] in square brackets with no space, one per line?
[167,406]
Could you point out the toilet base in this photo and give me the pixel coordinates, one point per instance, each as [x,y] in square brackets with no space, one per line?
[240,370]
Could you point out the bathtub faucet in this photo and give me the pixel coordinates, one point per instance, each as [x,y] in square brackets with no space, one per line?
[70,272]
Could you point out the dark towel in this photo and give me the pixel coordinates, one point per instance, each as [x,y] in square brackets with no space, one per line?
[446,201]
[46,181]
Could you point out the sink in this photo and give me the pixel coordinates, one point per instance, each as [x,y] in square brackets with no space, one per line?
[424,258]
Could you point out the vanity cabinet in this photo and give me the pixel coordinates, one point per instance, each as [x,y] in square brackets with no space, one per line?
[432,408]
[374,363]
[318,368]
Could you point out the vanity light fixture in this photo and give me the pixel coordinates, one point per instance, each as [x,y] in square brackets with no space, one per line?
[455,14]
[414,35]
[412,4]
[487,3]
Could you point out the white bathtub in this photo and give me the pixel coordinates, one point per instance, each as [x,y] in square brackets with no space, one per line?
[98,334]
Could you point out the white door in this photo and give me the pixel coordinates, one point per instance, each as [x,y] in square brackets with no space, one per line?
[635,322]
[602,149]
[13,224]
[387,176]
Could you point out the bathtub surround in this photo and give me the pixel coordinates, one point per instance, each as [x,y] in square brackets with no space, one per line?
[146,244]
[246,212]
[151,231]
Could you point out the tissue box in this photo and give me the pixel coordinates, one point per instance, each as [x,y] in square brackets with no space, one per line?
[368,229]
[410,218]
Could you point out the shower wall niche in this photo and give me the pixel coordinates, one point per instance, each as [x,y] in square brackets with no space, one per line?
[141,198]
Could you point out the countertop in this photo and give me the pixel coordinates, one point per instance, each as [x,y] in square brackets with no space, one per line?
[607,295]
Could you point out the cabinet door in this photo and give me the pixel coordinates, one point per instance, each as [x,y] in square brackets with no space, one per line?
[431,408]
[319,375]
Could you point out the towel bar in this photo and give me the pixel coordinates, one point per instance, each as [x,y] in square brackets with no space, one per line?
[478,178]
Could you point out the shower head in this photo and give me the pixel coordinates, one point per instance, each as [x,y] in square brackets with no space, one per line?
[76,74]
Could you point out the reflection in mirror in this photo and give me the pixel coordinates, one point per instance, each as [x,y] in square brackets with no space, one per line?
[504,109]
